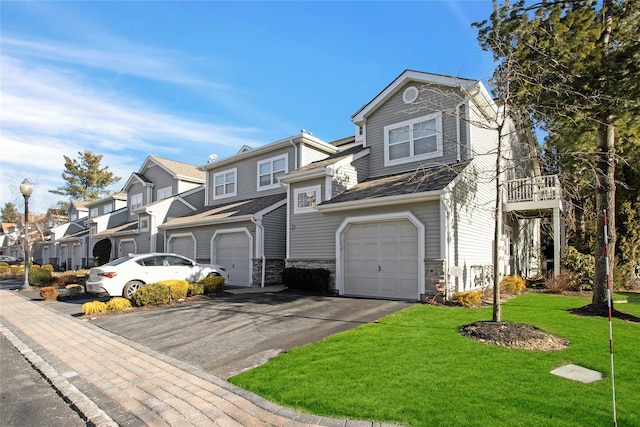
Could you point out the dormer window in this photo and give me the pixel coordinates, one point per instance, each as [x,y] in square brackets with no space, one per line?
[136,201]
[224,184]
[93,212]
[413,140]
[108,208]
[270,170]
[163,193]
[306,199]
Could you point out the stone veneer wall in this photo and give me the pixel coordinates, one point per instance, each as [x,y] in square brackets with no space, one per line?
[434,274]
[273,271]
[329,264]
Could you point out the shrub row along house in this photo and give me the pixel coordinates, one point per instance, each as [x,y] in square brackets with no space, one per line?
[404,205]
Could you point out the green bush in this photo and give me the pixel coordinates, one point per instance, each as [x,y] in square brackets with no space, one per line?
[151,294]
[93,307]
[73,289]
[308,279]
[512,284]
[581,265]
[178,288]
[468,299]
[118,303]
[195,289]
[48,267]
[4,268]
[212,284]
[39,277]
[49,293]
[4,264]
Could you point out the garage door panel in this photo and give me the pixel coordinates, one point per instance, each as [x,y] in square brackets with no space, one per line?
[381,259]
[183,246]
[233,253]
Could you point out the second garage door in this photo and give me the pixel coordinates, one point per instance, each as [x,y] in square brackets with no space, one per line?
[234,254]
[182,245]
[381,260]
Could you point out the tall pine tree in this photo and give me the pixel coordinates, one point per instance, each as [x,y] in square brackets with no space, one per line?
[85,178]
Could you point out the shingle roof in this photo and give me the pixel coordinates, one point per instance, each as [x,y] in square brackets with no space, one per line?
[418,181]
[228,211]
[180,168]
[334,158]
[130,226]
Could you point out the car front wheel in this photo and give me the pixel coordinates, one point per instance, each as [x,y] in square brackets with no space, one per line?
[130,288]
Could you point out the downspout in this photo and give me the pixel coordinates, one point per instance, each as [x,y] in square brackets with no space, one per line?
[459,128]
[260,246]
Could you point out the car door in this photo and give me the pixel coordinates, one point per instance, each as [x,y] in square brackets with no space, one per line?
[182,268]
[153,269]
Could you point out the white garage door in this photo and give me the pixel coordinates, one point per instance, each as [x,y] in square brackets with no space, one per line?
[233,253]
[127,247]
[381,260]
[182,245]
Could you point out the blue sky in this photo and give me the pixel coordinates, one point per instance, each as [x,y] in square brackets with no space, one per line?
[183,80]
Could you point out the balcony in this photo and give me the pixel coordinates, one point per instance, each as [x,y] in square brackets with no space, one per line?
[535,196]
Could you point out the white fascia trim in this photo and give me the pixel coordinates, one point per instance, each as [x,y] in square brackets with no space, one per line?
[381,201]
[207,222]
[408,215]
[319,172]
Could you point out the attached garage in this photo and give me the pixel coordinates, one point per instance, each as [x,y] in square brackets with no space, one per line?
[127,247]
[233,251]
[382,258]
[183,244]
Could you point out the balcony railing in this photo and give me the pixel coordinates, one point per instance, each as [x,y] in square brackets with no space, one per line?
[535,189]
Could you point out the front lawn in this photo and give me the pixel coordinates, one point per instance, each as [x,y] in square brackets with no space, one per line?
[415,369]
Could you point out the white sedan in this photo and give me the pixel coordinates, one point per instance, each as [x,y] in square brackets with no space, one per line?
[124,276]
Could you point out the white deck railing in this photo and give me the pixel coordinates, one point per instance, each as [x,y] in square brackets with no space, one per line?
[534,189]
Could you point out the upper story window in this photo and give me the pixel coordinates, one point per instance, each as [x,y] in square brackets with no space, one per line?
[412,140]
[73,217]
[270,170]
[93,212]
[224,184]
[108,208]
[163,193]
[136,201]
[306,199]
[144,223]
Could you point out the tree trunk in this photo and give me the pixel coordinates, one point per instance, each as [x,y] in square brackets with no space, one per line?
[605,200]
[497,236]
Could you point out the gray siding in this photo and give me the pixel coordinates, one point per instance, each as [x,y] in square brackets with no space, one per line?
[395,110]
[344,177]
[361,166]
[178,209]
[309,155]
[314,234]
[196,198]
[160,179]
[275,229]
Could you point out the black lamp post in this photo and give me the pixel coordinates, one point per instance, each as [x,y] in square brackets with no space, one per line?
[26,188]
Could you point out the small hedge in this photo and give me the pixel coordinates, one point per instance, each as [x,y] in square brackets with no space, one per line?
[153,293]
[307,279]
[195,289]
[212,284]
[468,299]
[93,307]
[73,289]
[39,277]
[118,303]
[512,285]
[178,288]
[49,293]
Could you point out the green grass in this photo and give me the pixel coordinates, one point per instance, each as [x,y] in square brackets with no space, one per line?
[415,369]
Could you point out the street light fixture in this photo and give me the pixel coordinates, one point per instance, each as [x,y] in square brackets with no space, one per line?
[26,188]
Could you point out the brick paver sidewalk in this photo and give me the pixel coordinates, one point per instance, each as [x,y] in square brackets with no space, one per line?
[152,389]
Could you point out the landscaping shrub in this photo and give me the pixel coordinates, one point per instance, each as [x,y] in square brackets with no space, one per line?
[4,264]
[212,284]
[562,283]
[73,289]
[468,299]
[48,267]
[49,293]
[178,288]
[195,289]
[4,268]
[15,269]
[65,279]
[39,277]
[308,279]
[118,303]
[581,265]
[512,285]
[93,307]
[34,267]
[151,294]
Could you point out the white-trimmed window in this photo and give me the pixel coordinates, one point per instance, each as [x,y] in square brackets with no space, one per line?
[136,201]
[224,183]
[412,140]
[143,223]
[108,208]
[270,170]
[163,193]
[93,212]
[305,199]
[73,217]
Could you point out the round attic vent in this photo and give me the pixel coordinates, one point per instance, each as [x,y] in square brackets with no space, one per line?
[410,94]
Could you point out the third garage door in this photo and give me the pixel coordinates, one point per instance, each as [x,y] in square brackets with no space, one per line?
[381,260]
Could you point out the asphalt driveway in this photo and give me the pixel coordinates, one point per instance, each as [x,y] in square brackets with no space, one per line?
[228,334]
